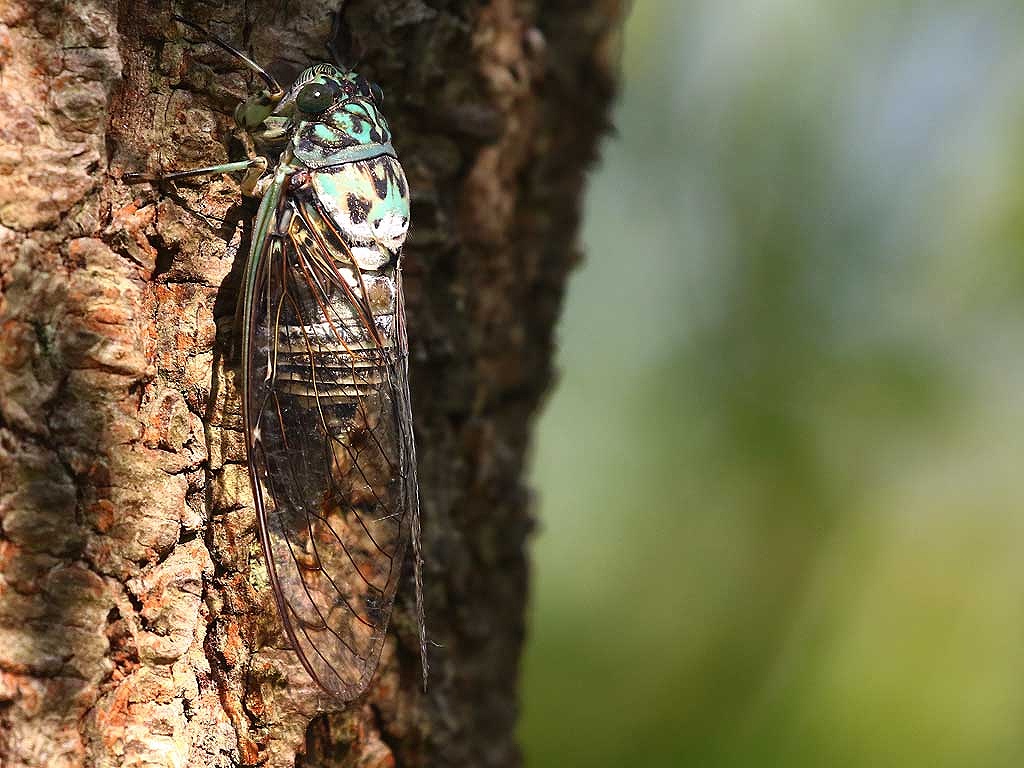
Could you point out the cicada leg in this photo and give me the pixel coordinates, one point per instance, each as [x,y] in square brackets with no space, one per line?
[253,111]
[254,168]
[253,116]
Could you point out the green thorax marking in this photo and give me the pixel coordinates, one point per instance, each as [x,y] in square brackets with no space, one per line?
[336,118]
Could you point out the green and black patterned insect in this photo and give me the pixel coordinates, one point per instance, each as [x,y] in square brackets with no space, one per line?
[325,365]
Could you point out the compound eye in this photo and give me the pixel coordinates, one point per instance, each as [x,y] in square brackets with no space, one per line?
[316,97]
[377,94]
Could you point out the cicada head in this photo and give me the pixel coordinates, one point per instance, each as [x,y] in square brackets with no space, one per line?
[333,109]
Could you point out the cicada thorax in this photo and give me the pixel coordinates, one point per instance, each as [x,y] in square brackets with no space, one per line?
[356,122]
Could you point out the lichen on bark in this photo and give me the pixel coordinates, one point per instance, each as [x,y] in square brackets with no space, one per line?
[135,624]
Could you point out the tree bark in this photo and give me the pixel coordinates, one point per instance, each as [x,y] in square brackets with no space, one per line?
[133,628]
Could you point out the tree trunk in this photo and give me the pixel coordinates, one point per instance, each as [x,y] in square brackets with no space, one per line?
[132,630]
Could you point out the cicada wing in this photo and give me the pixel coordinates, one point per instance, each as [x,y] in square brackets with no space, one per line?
[330,451]
[409,473]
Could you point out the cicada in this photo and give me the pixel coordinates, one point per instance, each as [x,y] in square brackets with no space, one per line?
[324,362]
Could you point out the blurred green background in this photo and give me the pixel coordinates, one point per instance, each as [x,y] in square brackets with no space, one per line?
[780,481]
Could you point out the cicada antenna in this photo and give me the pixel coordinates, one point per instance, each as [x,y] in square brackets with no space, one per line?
[341,38]
[338,28]
[272,85]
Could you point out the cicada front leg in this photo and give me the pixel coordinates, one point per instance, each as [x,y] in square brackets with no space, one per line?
[252,112]
[255,170]
[256,179]
[253,116]
[268,134]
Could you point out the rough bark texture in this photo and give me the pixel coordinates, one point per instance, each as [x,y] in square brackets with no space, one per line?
[134,629]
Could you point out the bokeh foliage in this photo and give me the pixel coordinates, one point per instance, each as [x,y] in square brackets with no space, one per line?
[778,483]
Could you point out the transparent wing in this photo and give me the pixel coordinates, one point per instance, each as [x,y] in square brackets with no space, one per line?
[330,444]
